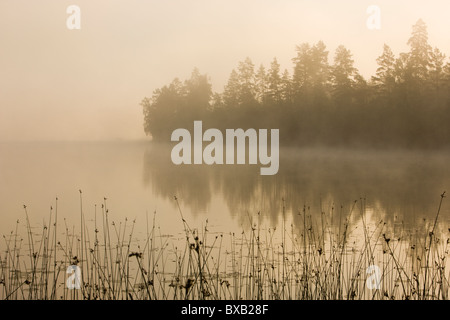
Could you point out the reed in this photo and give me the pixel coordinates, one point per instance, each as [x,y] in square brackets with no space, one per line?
[312,255]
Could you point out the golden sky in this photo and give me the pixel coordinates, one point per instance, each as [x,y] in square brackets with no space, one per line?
[61,84]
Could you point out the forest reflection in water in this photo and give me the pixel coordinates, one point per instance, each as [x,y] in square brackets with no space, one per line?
[401,185]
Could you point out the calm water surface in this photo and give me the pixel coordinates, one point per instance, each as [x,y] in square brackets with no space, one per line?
[138,179]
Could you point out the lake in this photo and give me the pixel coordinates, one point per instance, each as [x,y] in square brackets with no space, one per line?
[138,178]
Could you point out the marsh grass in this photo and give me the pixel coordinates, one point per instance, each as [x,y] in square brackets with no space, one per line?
[312,255]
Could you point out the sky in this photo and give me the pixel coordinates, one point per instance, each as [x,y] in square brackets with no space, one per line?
[87,84]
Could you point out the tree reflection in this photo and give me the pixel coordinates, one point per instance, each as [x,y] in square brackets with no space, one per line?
[398,185]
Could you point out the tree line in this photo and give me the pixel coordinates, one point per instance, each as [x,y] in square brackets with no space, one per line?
[405,104]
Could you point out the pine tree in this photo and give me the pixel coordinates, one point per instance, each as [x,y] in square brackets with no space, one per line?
[246,77]
[447,71]
[286,88]
[343,76]
[320,75]
[301,80]
[447,79]
[437,92]
[361,90]
[274,83]
[436,73]
[384,79]
[198,95]
[320,68]
[311,73]
[261,85]
[420,52]
[231,90]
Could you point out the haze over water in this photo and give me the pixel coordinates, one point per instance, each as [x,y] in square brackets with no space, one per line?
[138,178]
